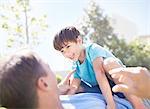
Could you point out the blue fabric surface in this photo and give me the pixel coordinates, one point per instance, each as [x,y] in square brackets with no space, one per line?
[91,101]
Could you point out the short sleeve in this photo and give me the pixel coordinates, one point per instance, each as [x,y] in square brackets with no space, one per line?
[98,51]
[76,72]
[76,75]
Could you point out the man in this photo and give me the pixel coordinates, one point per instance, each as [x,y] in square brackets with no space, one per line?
[26,81]
[23,77]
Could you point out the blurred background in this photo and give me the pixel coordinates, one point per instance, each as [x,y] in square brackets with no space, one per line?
[122,26]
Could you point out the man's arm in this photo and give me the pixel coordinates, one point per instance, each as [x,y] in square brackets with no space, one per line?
[112,63]
[103,82]
[136,102]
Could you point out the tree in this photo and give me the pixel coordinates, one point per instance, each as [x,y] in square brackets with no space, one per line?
[133,54]
[97,21]
[103,33]
[17,22]
[139,54]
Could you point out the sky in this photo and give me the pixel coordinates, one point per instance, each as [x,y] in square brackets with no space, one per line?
[62,13]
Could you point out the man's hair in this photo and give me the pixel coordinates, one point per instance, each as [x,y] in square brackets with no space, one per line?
[18,81]
[68,34]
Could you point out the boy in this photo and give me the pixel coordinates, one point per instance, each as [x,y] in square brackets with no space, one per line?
[89,63]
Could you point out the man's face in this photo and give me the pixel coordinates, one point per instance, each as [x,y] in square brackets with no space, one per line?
[72,50]
[51,78]
[47,89]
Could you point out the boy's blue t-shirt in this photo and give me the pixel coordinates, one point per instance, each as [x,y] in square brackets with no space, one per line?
[85,71]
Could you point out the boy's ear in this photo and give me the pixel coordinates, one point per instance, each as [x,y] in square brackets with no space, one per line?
[43,84]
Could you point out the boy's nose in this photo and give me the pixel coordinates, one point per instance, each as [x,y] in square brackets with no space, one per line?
[68,55]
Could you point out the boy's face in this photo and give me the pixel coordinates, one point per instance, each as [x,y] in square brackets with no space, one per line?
[72,50]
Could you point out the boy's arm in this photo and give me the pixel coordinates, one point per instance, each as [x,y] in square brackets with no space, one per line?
[74,86]
[103,82]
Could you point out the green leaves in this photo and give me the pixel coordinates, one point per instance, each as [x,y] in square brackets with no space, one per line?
[18,21]
[5,25]
[131,54]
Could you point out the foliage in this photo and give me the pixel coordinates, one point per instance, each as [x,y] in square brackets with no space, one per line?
[17,21]
[59,78]
[139,54]
[132,54]
[96,20]
[2,108]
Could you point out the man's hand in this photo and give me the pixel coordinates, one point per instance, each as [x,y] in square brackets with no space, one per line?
[134,80]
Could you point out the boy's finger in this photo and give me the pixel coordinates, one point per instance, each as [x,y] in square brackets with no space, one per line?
[70,73]
[120,88]
[67,87]
[67,78]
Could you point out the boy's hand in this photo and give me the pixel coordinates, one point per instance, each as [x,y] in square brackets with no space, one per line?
[72,90]
[66,81]
[64,86]
[111,106]
[63,89]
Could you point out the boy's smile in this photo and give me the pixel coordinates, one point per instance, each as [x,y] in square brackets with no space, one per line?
[72,50]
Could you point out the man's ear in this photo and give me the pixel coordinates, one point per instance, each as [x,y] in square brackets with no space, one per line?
[43,84]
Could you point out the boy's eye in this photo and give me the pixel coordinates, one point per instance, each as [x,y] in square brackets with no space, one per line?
[68,46]
[62,51]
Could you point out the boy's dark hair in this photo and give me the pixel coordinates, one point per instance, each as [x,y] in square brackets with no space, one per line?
[18,80]
[68,34]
